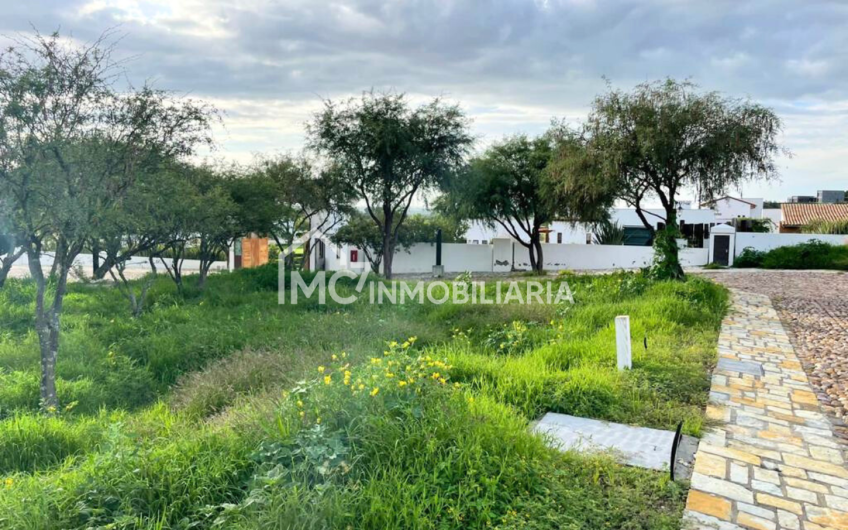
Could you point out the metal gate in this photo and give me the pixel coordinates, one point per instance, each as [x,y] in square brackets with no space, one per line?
[721,255]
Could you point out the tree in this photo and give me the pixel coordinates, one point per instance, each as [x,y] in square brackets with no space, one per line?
[504,186]
[662,137]
[389,152]
[284,197]
[361,232]
[72,147]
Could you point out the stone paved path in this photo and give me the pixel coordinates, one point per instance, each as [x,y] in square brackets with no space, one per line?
[813,306]
[773,462]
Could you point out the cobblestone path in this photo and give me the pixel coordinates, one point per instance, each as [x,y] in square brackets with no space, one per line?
[773,460]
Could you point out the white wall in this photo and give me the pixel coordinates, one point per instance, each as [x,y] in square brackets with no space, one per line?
[456,257]
[766,242]
[86,261]
[775,215]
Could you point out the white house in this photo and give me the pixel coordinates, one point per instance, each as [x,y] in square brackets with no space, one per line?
[564,233]
[729,208]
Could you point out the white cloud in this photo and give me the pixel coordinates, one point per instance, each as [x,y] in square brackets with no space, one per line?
[513,64]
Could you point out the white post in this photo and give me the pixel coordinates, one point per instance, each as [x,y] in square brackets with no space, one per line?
[622,342]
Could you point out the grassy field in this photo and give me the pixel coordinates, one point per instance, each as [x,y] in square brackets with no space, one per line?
[224,409]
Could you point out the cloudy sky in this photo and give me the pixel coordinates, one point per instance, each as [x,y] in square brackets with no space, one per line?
[512,64]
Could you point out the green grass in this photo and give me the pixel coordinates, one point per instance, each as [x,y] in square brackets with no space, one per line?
[209,411]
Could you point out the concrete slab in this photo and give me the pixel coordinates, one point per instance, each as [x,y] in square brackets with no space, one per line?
[745,367]
[635,446]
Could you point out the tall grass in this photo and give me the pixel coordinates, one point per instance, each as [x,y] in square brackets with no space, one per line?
[226,410]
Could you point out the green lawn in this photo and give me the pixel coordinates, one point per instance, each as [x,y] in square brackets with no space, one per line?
[224,409]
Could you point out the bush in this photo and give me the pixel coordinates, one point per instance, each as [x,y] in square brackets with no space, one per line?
[813,254]
[749,258]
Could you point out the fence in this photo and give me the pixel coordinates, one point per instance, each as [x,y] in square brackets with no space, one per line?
[766,242]
[504,255]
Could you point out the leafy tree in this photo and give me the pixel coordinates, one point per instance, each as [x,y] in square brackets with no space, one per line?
[72,146]
[206,217]
[361,232]
[504,186]
[285,197]
[662,137]
[389,152]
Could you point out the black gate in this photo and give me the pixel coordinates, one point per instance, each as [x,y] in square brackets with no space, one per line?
[721,255]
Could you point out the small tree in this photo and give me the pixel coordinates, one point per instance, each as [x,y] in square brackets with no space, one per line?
[665,136]
[73,146]
[285,197]
[504,186]
[360,231]
[388,153]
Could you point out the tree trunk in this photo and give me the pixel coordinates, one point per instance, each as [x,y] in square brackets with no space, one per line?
[388,243]
[531,248]
[388,256]
[666,244]
[7,263]
[95,258]
[540,258]
[47,324]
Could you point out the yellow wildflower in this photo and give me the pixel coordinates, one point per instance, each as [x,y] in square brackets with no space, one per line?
[401,383]
[328,379]
[375,391]
[335,357]
[318,420]
[321,369]
[299,403]
[361,386]
[301,414]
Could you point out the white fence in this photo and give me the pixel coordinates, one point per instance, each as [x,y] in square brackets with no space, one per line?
[766,242]
[505,254]
[136,263]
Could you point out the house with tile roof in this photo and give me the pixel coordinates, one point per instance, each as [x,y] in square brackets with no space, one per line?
[794,216]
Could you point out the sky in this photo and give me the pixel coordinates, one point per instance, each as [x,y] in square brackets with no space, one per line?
[513,65]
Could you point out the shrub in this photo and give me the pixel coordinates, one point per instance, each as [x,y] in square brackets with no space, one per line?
[813,254]
[749,258]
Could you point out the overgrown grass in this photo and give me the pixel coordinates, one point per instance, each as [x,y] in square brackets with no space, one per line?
[211,411]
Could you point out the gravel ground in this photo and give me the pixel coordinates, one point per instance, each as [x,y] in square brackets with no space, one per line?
[813,306]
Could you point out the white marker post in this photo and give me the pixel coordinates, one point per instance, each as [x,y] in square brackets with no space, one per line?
[622,342]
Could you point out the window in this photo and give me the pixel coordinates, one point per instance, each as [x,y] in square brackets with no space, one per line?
[476,242]
[484,242]
[559,238]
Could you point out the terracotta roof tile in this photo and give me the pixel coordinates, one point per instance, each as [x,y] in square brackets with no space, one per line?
[802,214]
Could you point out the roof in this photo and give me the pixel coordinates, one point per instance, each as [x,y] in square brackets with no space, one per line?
[728,197]
[800,214]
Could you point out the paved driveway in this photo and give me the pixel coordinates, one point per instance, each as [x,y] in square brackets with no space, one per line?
[814,309]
